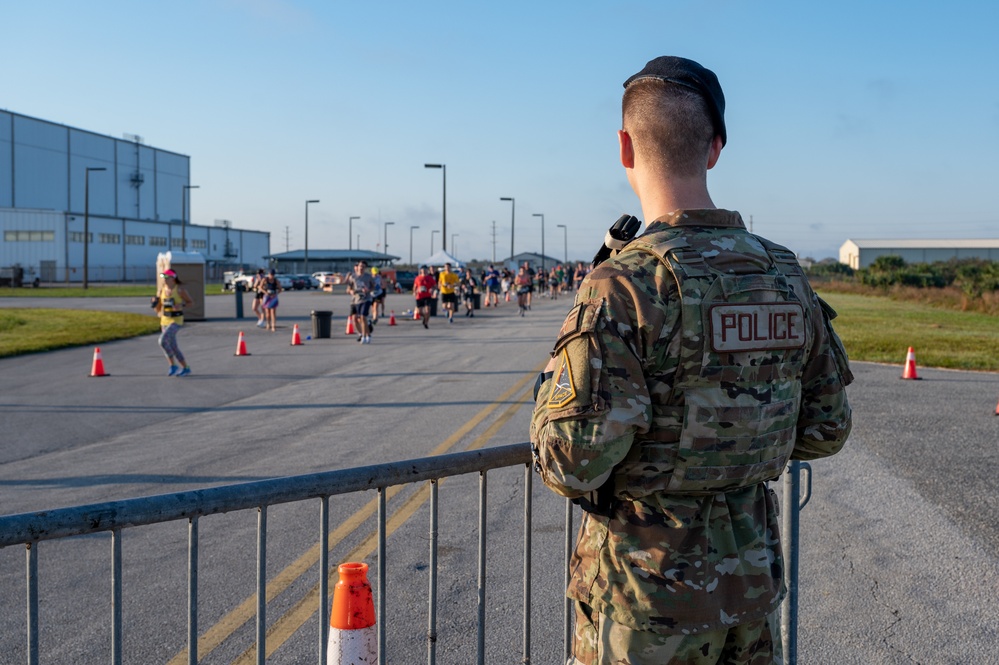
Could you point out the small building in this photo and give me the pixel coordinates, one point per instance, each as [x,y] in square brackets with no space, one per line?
[327,260]
[862,253]
[533,259]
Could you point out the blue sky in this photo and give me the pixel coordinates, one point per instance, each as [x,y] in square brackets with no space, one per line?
[845,120]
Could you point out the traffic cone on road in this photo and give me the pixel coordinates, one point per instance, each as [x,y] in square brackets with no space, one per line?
[910,365]
[296,338]
[997,409]
[392,317]
[353,637]
[241,346]
[97,369]
[350,326]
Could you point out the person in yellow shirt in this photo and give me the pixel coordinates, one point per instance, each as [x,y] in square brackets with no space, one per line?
[169,304]
[448,282]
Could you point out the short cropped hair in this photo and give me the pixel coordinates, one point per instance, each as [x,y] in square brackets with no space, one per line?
[670,127]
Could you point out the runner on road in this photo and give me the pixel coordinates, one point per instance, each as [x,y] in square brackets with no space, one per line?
[424,287]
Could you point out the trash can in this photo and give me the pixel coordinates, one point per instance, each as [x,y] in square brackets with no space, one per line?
[433,307]
[321,324]
[476,301]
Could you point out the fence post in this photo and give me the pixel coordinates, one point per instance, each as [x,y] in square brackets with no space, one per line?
[793,502]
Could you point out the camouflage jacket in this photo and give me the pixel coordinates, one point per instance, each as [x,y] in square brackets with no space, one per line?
[664,562]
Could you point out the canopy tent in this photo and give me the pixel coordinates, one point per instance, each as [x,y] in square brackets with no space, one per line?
[440,258]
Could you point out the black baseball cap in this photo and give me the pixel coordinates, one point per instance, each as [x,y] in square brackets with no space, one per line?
[692,75]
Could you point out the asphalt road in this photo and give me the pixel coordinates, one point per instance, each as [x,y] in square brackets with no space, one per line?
[899,541]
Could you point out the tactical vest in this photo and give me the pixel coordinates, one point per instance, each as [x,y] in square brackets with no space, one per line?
[725,411]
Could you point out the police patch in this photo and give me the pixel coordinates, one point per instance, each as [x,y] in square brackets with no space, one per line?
[563,391]
[757,326]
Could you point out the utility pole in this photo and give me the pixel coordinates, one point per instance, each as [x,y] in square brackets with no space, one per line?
[287,238]
[494,241]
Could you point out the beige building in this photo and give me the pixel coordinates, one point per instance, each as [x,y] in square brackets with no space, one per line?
[862,253]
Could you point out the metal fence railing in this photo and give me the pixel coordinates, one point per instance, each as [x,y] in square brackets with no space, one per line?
[30,529]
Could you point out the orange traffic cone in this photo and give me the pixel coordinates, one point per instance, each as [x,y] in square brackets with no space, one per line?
[296,338]
[910,365]
[997,409]
[241,346]
[350,326]
[98,367]
[352,621]
[392,317]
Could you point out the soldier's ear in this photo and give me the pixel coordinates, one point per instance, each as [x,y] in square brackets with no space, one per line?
[714,152]
[627,149]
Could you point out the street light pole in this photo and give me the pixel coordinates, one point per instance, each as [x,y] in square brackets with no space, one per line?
[86,223]
[387,224]
[350,233]
[513,211]
[307,234]
[565,242]
[432,240]
[183,214]
[411,243]
[443,168]
[542,216]
[454,250]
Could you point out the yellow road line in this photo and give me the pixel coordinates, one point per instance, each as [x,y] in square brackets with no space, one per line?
[286,626]
[247,610]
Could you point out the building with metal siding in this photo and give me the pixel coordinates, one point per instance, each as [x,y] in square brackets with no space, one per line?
[135,206]
[862,253]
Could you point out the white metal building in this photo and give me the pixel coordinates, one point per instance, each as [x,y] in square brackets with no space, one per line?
[132,212]
[862,253]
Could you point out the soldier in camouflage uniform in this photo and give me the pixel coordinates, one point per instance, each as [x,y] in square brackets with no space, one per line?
[696,362]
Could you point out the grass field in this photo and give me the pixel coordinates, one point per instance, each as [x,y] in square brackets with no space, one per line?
[880,329]
[95,291]
[33,330]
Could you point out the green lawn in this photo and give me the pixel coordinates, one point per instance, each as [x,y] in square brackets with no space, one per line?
[881,330]
[32,330]
[95,291]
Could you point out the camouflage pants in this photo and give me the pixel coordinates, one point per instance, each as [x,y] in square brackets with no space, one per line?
[599,641]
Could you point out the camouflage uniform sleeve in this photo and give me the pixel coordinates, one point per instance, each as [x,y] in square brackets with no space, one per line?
[588,413]
[825,418]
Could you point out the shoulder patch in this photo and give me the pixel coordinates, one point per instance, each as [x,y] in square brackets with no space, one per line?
[563,391]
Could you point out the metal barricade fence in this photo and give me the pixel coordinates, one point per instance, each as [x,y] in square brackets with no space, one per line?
[29,529]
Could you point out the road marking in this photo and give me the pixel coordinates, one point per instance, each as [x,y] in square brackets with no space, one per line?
[247,610]
[286,626]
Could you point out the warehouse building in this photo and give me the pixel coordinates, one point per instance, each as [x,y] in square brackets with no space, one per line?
[862,253]
[60,185]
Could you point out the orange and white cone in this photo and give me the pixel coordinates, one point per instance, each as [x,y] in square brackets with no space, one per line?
[241,346]
[353,638]
[392,317]
[997,409]
[350,326]
[910,365]
[97,369]
[296,338]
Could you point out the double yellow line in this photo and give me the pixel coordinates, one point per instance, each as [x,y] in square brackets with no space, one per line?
[282,629]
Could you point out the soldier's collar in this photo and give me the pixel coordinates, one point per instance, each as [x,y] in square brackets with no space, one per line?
[700,217]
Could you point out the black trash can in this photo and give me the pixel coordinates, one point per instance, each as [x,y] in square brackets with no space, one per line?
[321,324]
[433,307]
[476,301]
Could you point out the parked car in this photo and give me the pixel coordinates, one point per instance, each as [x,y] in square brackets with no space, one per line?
[230,279]
[286,281]
[307,281]
[405,278]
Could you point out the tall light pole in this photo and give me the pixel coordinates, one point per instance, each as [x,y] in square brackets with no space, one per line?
[542,216]
[443,168]
[432,240]
[454,251]
[565,242]
[513,211]
[350,233]
[387,224]
[307,233]
[411,243]
[86,223]
[183,214]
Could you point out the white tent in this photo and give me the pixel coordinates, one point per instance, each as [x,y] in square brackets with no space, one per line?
[440,258]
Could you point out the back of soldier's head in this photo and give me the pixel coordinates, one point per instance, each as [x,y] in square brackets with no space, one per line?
[670,127]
